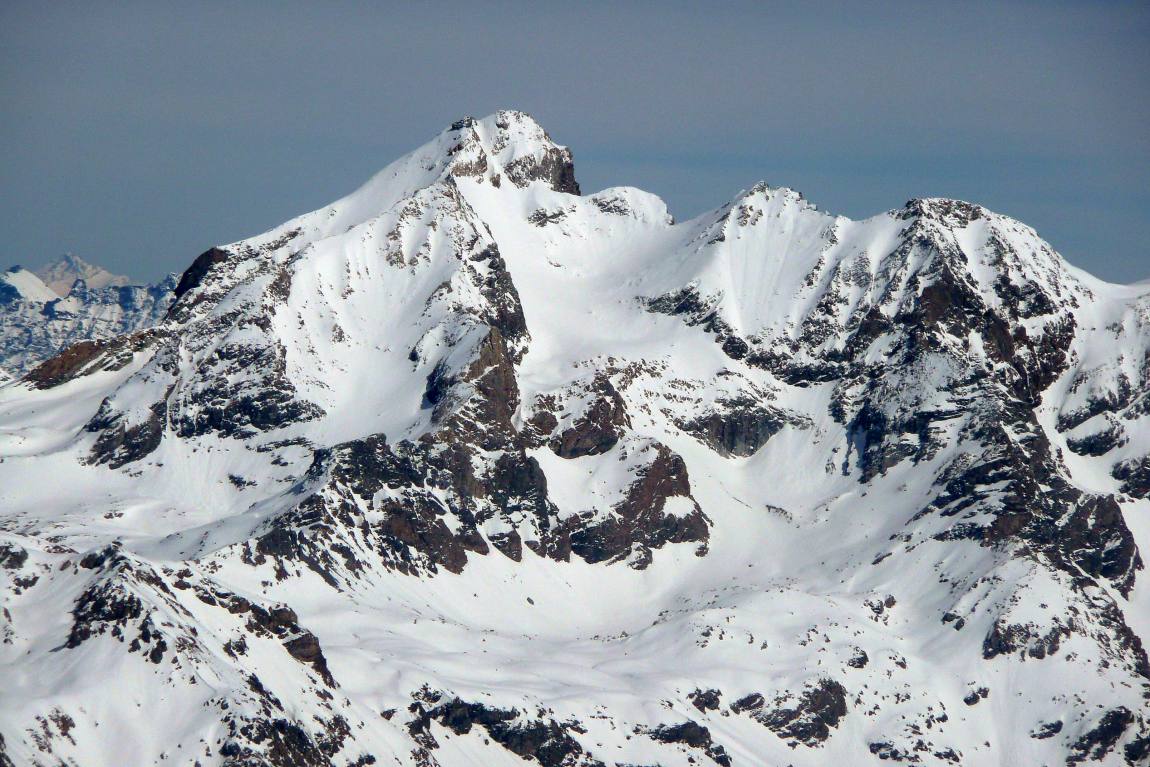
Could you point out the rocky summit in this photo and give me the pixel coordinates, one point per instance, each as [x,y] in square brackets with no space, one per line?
[472,467]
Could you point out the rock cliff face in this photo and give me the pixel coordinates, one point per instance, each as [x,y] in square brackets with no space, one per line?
[469,468]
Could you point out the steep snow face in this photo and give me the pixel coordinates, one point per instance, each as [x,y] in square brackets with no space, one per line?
[37,323]
[506,146]
[19,284]
[62,273]
[469,468]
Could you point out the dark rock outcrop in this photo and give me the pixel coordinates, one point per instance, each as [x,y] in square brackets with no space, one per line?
[1102,738]
[599,427]
[692,735]
[640,522]
[737,427]
[543,741]
[808,719]
[194,275]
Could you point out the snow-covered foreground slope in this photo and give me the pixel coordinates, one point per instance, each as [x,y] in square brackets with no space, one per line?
[37,322]
[467,468]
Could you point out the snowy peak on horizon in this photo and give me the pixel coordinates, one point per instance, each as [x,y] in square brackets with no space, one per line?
[61,274]
[507,145]
[511,145]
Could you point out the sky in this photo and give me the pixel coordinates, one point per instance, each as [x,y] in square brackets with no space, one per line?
[137,135]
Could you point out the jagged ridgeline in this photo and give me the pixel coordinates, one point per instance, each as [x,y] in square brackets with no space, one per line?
[471,468]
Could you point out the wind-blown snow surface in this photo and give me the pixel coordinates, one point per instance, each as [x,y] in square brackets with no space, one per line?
[467,468]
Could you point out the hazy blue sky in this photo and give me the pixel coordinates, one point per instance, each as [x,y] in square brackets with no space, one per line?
[138,135]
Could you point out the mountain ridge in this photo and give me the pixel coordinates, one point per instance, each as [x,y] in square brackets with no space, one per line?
[469,467]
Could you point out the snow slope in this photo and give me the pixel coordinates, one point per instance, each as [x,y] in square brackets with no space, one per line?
[468,468]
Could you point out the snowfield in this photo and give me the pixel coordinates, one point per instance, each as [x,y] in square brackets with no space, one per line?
[469,468]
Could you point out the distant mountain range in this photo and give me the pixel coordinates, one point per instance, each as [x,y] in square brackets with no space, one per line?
[472,468]
[69,300]
[61,274]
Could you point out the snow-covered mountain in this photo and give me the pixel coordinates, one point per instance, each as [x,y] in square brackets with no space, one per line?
[467,468]
[36,322]
[62,273]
